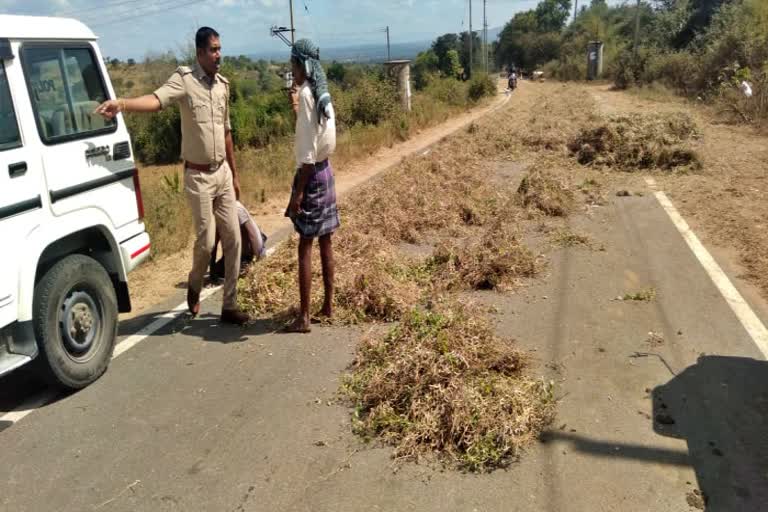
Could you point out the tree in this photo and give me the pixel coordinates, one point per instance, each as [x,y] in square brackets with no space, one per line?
[426,64]
[551,15]
[336,72]
[477,46]
[454,64]
[441,47]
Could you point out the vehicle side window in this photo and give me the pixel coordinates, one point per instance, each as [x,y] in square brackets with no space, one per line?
[66,87]
[9,128]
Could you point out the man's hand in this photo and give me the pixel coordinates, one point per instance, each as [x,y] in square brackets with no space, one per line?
[294,207]
[236,186]
[109,109]
[293,96]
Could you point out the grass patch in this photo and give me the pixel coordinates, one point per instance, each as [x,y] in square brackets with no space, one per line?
[495,262]
[441,382]
[638,141]
[647,295]
[542,191]
[567,238]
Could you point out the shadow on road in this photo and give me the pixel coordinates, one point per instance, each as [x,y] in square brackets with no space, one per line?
[205,326]
[624,450]
[720,407]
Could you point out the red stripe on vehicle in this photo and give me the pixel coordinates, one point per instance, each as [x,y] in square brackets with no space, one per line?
[142,250]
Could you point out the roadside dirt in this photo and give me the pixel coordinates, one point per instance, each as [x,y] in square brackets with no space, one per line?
[160,278]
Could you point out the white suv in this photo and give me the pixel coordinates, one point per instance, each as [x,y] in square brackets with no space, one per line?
[70,203]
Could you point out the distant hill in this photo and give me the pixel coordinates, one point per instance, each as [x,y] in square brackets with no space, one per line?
[370,53]
[365,53]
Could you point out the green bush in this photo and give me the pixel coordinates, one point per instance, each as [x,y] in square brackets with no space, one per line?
[370,102]
[156,137]
[480,86]
[448,90]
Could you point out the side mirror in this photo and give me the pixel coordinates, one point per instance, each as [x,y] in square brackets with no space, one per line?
[5,50]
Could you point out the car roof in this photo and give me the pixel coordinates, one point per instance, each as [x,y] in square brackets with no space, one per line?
[43,28]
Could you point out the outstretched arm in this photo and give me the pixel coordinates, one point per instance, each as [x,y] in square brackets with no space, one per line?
[147,103]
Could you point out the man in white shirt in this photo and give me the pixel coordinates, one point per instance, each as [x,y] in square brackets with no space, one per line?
[313,197]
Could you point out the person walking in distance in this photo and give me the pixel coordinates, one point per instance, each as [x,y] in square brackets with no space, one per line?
[312,207]
[211,182]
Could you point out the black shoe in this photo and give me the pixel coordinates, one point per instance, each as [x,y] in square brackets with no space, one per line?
[234,317]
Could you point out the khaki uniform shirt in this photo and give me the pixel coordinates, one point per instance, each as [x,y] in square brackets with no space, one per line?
[204,105]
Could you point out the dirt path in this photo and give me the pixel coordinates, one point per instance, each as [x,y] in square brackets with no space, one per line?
[157,280]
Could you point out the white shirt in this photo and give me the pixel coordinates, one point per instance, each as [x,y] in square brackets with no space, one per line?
[315,141]
[746,89]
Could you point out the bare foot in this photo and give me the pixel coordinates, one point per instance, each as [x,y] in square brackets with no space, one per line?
[300,325]
[324,316]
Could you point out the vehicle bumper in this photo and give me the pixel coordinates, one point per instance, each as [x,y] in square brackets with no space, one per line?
[135,251]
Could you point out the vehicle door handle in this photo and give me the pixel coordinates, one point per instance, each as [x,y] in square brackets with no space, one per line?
[17,169]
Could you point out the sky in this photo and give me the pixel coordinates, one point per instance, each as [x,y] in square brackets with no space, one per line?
[137,28]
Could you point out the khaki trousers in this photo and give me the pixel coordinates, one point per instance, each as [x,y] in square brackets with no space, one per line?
[211,197]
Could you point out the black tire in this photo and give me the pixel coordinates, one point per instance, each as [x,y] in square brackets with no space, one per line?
[75,319]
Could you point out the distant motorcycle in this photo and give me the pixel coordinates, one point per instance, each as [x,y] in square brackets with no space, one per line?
[512,83]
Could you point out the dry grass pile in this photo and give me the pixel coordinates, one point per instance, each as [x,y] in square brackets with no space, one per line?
[567,238]
[638,141]
[497,261]
[557,120]
[593,192]
[544,192]
[442,382]
[424,195]
[371,284]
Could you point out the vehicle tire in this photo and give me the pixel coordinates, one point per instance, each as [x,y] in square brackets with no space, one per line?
[75,320]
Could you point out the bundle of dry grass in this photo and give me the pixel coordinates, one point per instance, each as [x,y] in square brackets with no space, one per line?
[638,141]
[543,191]
[556,121]
[442,382]
[371,285]
[495,262]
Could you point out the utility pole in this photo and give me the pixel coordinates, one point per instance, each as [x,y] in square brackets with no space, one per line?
[485,36]
[293,29]
[576,9]
[389,56]
[470,38]
[637,29]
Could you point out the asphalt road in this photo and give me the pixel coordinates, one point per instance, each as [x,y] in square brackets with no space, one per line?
[201,417]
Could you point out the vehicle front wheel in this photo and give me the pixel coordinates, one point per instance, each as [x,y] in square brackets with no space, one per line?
[75,319]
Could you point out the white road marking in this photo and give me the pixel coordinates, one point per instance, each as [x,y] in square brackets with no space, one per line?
[28,407]
[131,341]
[740,307]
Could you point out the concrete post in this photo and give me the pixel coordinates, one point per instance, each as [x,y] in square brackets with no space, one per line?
[401,71]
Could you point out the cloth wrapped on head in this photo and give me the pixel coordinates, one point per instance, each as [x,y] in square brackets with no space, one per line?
[307,54]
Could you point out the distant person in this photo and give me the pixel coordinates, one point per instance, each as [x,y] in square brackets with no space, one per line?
[254,245]
[512,82]
[211,182]
[746,89]
[312,207]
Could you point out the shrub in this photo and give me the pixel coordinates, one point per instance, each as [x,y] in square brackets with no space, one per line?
[480,86]
[372,101]
[157,137]
[449,91]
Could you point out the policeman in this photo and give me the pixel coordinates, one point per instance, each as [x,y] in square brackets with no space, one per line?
[210,177]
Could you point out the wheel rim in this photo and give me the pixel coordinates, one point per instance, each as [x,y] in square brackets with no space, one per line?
[80,324]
